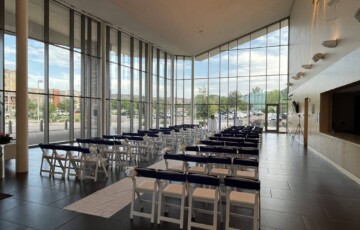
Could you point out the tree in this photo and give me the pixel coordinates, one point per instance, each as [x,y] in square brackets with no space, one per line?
[64,104]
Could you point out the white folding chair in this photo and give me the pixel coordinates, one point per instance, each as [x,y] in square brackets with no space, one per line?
[92,163]
[46,158]
[175,162]
[200,166]
[246,168]
[249,199]
[145,186]
[204,195]
[219,166]
[171,190]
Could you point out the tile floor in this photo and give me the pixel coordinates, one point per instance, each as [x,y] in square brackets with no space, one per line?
[299,191]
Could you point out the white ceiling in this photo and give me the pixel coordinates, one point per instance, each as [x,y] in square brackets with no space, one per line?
[186,27]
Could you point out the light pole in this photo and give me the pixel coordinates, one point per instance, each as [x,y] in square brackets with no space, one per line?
[38,100]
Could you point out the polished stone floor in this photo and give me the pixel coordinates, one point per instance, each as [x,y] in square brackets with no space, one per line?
[299,191]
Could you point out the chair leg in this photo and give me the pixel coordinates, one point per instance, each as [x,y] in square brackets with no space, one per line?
[227,212]
[159,207]
[215,214]
[132,204]
[153,206]
[182,212]
[256,216]
[190,212]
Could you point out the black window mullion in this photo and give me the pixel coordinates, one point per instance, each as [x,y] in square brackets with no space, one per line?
[71,114]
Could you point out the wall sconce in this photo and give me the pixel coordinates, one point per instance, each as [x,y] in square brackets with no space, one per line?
[330,43]
[298,75]
[307,66]
[318,56]
[289,84]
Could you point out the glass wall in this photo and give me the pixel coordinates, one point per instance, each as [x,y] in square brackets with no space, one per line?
[161,88]
[146,87]
[63,73]
[182,90]
[235,81]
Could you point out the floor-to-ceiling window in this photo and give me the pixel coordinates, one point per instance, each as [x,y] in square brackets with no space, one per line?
[161,88]
[234,82]
[182,90]
[63,72]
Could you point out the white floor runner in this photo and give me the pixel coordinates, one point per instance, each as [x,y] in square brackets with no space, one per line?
[108,201]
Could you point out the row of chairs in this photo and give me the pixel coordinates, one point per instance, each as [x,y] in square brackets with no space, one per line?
[241,152]
[194,188]
[212,165]
[83,163]
[229,143]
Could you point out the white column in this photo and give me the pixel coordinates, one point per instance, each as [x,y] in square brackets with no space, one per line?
[22,142]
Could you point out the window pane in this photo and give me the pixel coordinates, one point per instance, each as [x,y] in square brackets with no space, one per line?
[244,63]
[59,67]
[257,90]
[214,64]
[258,38]
[94,39]
[258,61]
[113,46]
[201,66]
[10,15]
[224,61]
[36,19]
[244,42]
[77,32]
[35,66]
[162,64]
[273,35]
[77,74]
[213,91]
[187,68]
[272,96]
[233,63]
[59,108]
[125,83]
[273,60]
[224,90]
[113,80]
[284,59]
[136,57]
[284,33]
[179,68]
[59,24]
[125,49]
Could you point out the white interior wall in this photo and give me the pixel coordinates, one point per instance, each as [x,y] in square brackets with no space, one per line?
[310,25]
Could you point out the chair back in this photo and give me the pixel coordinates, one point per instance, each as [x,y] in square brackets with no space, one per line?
[219,160]
[172,156]
[145,172]
[170,175]
[203,179]
[246,162]
[196,159]
[241,183]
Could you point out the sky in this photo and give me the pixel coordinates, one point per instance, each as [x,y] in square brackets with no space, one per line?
[242,61]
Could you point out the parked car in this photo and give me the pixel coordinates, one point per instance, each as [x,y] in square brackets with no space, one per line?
[62,113]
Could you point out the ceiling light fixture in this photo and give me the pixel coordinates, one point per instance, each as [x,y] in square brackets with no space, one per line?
[318,56]
[307,66]
[330,43]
